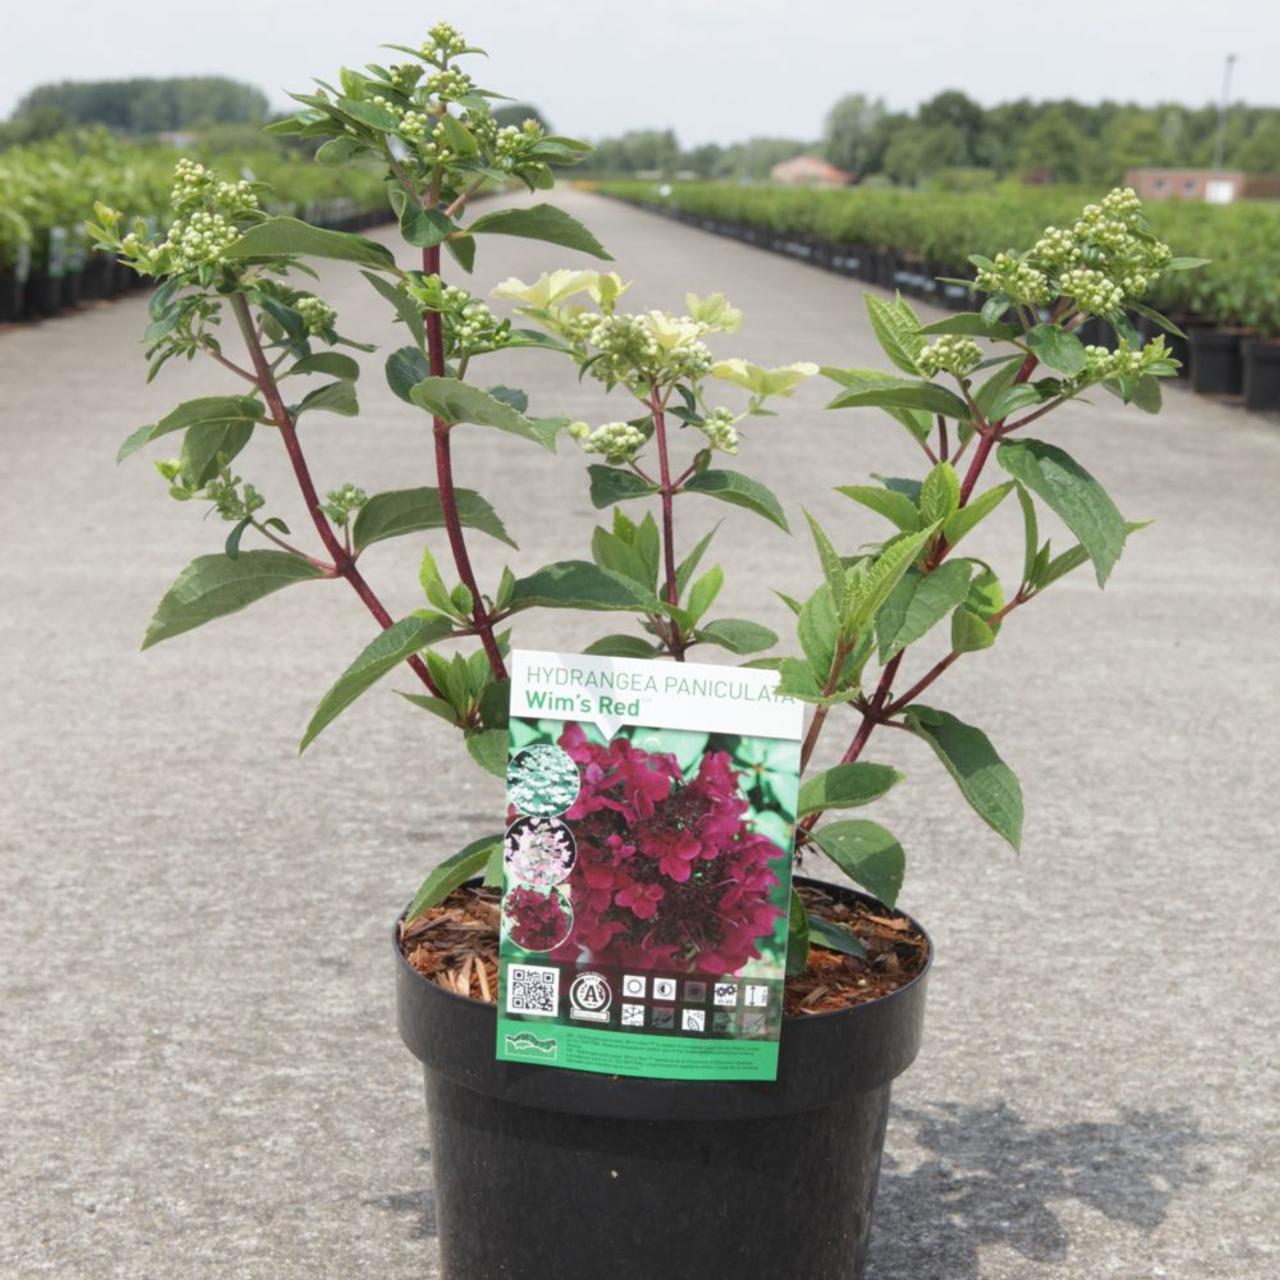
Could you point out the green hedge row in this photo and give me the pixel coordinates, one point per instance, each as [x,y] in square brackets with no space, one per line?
[54,185]
[1241,286]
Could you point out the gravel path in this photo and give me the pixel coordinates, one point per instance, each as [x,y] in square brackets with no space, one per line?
[202,1076]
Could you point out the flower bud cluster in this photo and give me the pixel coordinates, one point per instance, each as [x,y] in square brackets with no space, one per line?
[1124,362]
[342,502]
[196,187]
[950,354]
[1056,248]
[443,41]
[318,314]
[719,428]
[1092,291]
[1016,279]
[449,83]
[619,442]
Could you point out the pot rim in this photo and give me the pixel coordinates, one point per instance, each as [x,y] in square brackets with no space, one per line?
[916,980]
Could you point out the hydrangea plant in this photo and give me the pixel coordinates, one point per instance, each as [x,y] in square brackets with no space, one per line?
[966,389]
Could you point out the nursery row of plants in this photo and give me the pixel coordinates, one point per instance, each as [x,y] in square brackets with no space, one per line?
[47,193]
[921,242]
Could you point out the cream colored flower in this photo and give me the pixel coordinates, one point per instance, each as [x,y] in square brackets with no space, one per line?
[764,382]
[670,331]
[714,312]
[547,290]
[606,288]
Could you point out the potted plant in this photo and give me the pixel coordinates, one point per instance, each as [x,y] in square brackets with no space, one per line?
[546,1171]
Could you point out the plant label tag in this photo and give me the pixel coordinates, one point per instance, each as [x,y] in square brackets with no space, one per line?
[646,867]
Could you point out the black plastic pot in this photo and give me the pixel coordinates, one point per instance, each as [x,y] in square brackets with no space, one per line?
[546,1173]
[12,287]
[71,288]
[95,280]
[1261,373]
[43,295]
[1217,367]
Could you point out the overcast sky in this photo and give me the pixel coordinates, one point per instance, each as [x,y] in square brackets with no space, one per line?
[714,70]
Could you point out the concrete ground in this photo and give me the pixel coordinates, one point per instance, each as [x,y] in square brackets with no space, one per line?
[201,1072]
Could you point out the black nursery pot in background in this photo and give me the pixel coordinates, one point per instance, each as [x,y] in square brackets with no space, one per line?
[11,293]
[1262,373]
[543,1173]
[1217,367]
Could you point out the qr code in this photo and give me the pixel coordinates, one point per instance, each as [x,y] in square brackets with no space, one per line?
[533,989]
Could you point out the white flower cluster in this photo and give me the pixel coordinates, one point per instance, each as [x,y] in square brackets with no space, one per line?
[951,354]
[720,429]
[1016,279]
[199,241]
[618,441]
[195,186]
[471,323]
[1092,290]
[318,314]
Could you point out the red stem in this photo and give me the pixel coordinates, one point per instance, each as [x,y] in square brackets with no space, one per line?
[448,491]
[344,564]
[667,490]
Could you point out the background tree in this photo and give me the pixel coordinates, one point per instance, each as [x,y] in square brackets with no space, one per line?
[856,133]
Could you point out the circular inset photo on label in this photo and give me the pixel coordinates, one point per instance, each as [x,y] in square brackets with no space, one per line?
[543,780]
[536,919]
[538,851]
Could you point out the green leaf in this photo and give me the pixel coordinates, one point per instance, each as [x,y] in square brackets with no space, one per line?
[213,586]
[1186,264]
[894,506]
[386,651]
[867,854]
[218,411]
[333,363]
[333,397]
[983,505]
[898,331]
[835,937]
[278,236]
[368,113]
[406,308]
[1073,494]
[489,750]
[202,445]
[969,632]
[613,484]
[996,385]
[818,629]
[927,396]
[846,786]
[1021,395]
[741,491]
[1152,314]
[940,494]
[622,646]
[405,369]
[738,635]
[425,228]
[455,401]
[703,593]
[918,602]
[689,565]
[540,222]
[1057,348]
[918,423]
[401,511]
[969,324]
[579,584]
[797,937]
[513,396]
[452,874]
[985,781]
[873,583]
[462,249]
[1031,532]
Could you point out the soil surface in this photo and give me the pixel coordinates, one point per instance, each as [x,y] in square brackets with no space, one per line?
[456,945]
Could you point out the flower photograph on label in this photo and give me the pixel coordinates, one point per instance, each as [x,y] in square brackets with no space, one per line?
[538,851]
[536,919]
[542,780]
[682,847]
